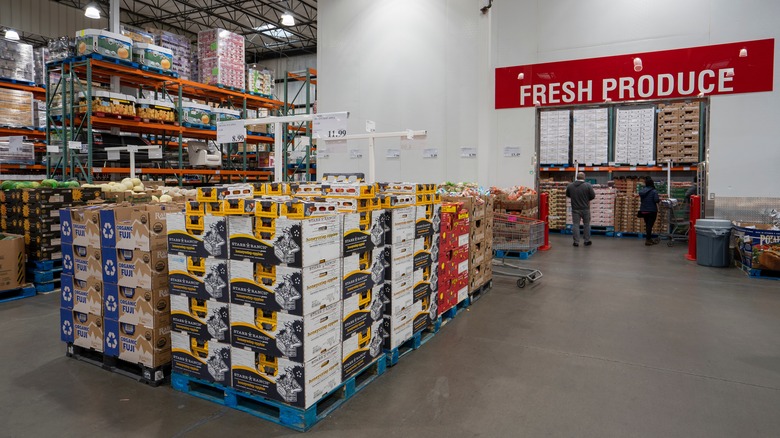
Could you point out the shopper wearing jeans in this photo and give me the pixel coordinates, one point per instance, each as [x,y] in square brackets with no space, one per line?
[581,193]
[648,209]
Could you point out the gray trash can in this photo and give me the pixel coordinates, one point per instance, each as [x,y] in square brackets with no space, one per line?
[712,242]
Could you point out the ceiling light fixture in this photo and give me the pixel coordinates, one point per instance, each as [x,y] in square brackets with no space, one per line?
[12,35]
[521,76]
[743,53]
[287,19]
[92,12]
[637,64]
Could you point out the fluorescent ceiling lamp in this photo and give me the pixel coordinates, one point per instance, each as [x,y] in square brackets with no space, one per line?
[92,12]
[288,20]
[273,31]
[12,35]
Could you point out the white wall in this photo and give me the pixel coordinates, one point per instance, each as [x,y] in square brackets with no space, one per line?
[405,64]
[45,18]
[429,65]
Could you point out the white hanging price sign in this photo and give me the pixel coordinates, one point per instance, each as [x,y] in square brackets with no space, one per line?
[231,131]
[74,145]
[431,153]
[52,149]
[155,154]
[330,125]
[393,153]
[468,152]
[511,151]
[113,155]
[355,154]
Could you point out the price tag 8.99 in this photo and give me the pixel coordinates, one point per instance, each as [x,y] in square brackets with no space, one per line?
[231,131]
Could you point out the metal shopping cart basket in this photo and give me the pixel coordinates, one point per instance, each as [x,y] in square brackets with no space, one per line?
[677,217]
[516,237]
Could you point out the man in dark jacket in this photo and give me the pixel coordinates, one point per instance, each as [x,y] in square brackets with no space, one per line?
[581,193]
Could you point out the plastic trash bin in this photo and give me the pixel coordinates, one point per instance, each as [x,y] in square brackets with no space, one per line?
[712,242]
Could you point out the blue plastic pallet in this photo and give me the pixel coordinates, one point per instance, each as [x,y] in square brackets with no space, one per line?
[627,234]
[99,57]
[47,286]
[759,273]
[416,341]
[602,230]
[25,291]
[454,311]
[159,71]
[228,87]
[199,126]
[18,81]
[42,276]
[44,265]
[519,255]
[284,415]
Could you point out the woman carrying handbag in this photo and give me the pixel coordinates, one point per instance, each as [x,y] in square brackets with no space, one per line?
[648,209]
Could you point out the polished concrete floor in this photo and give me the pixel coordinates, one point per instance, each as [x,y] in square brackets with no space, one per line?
[617,340]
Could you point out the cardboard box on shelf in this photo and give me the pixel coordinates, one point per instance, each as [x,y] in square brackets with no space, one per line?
[400,224]
[12,261]
[147,307]
[362,272]
[138,344]
[197,235]
[81,226]
[298,291]
[204,320]
[279,334]
[424,312]
[296,383]
[82,262]
[363,232]
[206,360]
[360,311]
[201,278]
[81,329]
[84,296]
[398,328]
[281,240]
[140,227]
[399,259]
[361,349]
[135,268]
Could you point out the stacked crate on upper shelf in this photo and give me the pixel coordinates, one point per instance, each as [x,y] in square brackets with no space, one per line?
[678,132]
[221,58]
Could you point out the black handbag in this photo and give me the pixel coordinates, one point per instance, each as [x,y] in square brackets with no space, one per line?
[639,214]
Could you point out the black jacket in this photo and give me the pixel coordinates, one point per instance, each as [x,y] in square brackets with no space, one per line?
[581,193]
[650,199]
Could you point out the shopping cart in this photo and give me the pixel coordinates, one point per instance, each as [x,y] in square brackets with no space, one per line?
[677,217]
[513,236]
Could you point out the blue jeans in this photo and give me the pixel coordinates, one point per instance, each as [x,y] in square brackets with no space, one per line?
[576,215]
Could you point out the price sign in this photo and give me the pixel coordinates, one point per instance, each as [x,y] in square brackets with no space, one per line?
[113,155]
[74,145]
[393,153]
[468,152]
[511,151]
[330,125]
[84,148]
[431,153]
[52,149]
[370,126]
[155,154]
[355,154]
[231,131]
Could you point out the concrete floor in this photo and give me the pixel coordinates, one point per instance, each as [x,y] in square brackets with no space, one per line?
[617,340]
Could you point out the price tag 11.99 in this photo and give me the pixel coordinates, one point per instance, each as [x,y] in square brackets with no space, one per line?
[231,131]
[330,125]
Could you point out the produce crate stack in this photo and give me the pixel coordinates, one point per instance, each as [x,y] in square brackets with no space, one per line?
[425,248]
[363,274]
[557,203]
[16,108]
[115,285]
[221,58]
[626,207]
[398,292]
[480,210]
[602,209]
[181,48]
[678,132]
[453,255]
[518,200]
[260,80]
[16,61]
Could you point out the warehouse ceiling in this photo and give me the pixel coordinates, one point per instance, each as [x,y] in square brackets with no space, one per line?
[258,21]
